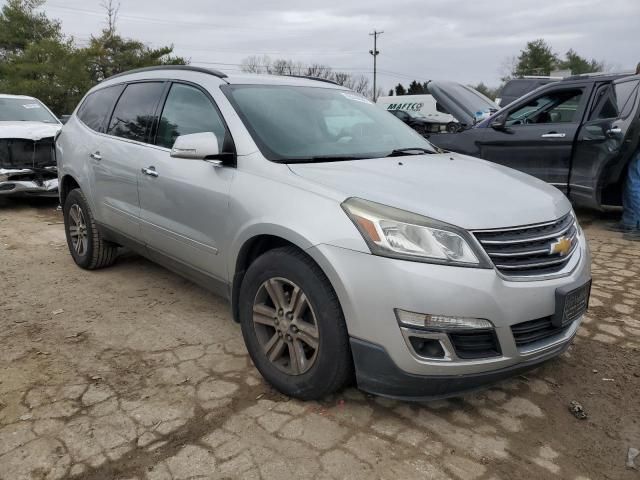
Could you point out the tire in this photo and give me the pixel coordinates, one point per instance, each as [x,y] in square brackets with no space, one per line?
[452,127]
[310,373]
[86,244]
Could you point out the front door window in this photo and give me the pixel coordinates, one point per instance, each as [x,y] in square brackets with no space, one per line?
[554,107]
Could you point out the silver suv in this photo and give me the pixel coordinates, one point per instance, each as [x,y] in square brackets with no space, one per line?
[346,243]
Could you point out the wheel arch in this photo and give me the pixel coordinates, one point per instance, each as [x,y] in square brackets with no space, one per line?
[67,183]
[257,244]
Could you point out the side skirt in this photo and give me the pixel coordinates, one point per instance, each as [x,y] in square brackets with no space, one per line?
[208,282]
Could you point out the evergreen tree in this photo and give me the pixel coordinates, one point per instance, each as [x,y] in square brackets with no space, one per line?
[537,58]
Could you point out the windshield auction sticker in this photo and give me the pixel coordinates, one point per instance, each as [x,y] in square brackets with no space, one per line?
[30,106]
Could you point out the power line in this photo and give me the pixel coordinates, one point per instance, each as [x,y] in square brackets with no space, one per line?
[222,65]
[146,19]
[209,25]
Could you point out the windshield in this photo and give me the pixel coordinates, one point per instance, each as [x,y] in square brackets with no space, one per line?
[25,110]
[301,124]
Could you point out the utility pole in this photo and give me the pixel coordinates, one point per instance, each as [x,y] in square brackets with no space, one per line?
[375,53]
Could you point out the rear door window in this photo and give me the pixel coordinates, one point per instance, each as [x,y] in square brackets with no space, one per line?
[133,116]
[188,110]
[614,99]
[94,111]
[625,96]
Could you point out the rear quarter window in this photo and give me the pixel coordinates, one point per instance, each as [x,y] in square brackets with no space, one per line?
[96,108]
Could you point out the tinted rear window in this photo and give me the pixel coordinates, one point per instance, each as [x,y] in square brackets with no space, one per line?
[615,100]
[624,96]
[133,115]
[517,88]
[97,106]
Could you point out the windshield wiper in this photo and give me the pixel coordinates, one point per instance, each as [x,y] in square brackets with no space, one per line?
[400,152]
[324,158]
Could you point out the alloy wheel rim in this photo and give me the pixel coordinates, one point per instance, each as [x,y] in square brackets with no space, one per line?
[286,326]
[78,230]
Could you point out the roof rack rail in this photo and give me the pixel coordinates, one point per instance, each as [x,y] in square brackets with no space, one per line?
[600,74]
[540,77]
[318,79]
[190,68]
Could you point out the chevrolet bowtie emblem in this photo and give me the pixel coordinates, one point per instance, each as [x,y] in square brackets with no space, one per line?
[562,246]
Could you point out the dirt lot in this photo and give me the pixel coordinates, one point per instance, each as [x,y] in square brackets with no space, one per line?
[133,372]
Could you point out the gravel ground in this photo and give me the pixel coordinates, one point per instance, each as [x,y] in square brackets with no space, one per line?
[134,373]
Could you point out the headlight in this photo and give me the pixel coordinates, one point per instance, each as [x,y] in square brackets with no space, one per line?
[395,233]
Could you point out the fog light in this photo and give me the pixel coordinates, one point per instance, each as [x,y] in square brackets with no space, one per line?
[439,322]
[427,347]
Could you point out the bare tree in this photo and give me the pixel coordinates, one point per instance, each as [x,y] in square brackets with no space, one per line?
[318,70]
[282,66]
[361,85]
[342,78]
[112,9]
[256,64]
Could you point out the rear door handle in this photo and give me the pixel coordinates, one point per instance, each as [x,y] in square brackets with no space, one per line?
[96,156]
[151,171]
[554,135]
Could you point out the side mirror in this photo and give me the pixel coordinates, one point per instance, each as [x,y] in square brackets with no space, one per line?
[499,123]
[196,146]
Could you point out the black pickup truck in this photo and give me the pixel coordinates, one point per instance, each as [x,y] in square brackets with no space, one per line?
[577,134]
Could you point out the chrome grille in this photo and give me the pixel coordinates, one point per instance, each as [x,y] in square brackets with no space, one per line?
[526,251]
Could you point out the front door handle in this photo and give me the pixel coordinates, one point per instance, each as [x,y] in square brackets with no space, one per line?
[96,156]
[554,135]
[151,171]
[614,131]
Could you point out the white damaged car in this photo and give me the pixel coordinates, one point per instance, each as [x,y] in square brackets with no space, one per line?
[27,147]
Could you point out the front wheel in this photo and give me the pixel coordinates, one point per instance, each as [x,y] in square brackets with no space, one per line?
[293,325]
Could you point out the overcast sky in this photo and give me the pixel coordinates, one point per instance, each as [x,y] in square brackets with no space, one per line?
[463,40]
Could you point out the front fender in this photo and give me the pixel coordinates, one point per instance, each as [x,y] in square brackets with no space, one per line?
[287,210]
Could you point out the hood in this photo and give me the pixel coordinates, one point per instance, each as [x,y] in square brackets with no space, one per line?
[28,130]
[467,105]
[456,189]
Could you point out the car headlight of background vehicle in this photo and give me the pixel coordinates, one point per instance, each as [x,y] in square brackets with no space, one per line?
[395,233]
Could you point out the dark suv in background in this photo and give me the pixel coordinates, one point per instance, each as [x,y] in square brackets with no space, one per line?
[577,134]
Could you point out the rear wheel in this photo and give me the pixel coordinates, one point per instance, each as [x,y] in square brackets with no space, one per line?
[86,244]
[293,325]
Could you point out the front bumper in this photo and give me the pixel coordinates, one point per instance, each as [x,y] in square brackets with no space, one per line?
[28,182]
[376,373]
[371,287]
